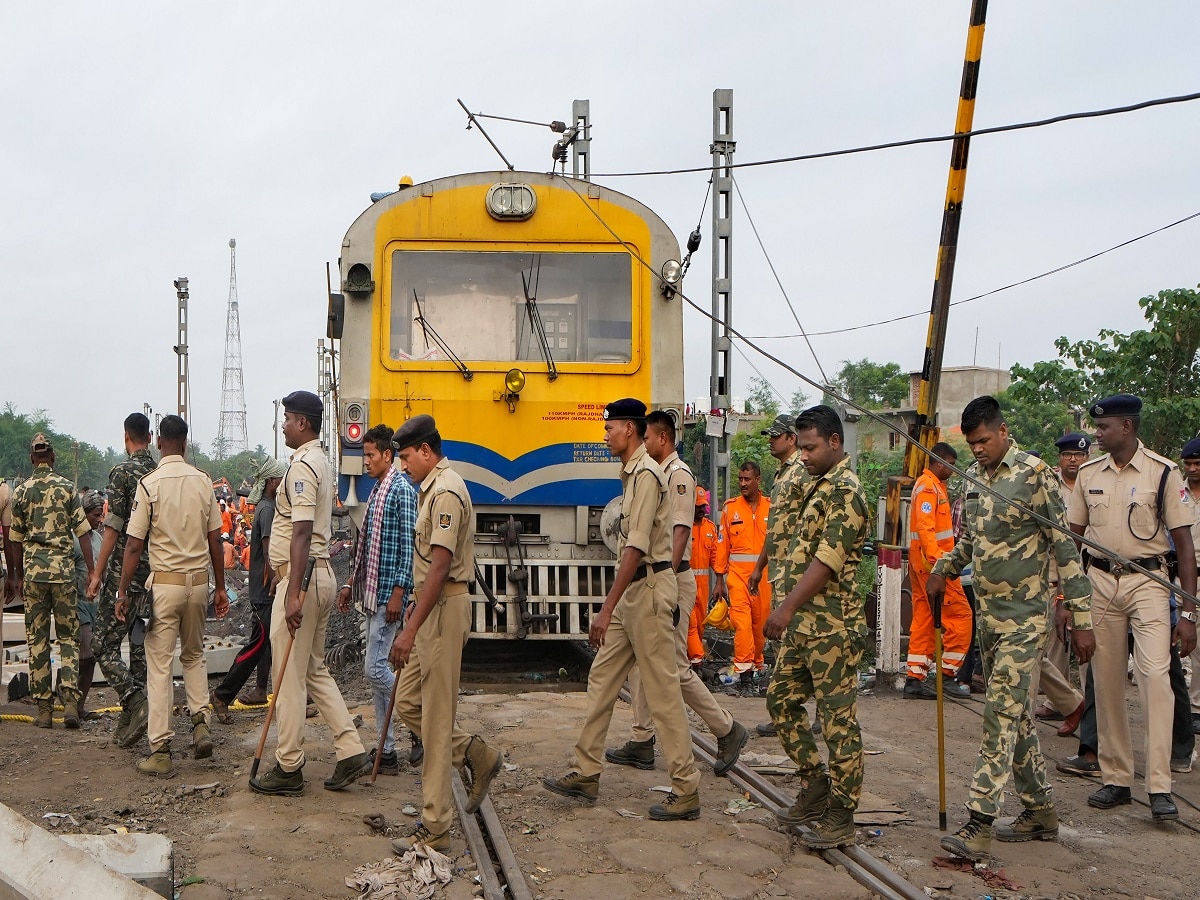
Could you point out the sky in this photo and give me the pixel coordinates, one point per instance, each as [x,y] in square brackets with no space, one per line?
[140,137]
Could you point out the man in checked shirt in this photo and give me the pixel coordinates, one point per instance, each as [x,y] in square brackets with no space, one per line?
[381,575]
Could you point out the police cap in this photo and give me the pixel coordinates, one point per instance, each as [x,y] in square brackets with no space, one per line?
[304,403]
[415,432]
[627,408]
[1118,406]
[1191,450]
[1073,441]
[40,443]
[782,425]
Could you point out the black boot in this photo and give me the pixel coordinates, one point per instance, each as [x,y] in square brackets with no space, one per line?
[87,670]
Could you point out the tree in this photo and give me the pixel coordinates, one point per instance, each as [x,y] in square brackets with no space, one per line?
[872,385]
[1158,364]
[1036,424]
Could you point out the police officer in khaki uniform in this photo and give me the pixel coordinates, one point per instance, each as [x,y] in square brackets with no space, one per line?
[634,626]
[175,514]
[300,531]
[1116,503]
[428,649]
[681,492]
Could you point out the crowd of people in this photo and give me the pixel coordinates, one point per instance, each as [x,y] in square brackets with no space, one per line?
[785,564]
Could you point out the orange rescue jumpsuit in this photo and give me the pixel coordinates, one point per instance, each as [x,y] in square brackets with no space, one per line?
[743,533]
[931,534]
[704,552]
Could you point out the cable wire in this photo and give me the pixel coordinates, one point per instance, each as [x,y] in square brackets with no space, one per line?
[1054,271]
[941,138]
[1124,562]
[782,289]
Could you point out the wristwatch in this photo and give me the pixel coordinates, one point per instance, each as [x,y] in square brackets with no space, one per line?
[1189,614]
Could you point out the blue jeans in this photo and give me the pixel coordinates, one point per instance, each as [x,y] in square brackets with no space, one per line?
[380,634]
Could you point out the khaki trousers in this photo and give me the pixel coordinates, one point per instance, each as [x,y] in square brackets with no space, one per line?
[178,613]
[641,633]
[1117,605]
[1050,678]
[427,699]
[695,692]
[307,674]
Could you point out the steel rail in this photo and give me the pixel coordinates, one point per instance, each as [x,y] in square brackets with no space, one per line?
[858,862]
[488,880]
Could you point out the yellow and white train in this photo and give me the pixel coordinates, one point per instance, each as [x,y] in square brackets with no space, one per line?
[512,306]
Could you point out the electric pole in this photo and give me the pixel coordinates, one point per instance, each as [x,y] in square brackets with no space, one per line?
[183,394]
[722,293]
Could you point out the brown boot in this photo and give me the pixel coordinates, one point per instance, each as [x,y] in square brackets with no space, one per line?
[45,717]
[202,745]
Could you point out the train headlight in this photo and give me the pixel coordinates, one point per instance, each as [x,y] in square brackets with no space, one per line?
[514,383]
[672,274]
[511,201]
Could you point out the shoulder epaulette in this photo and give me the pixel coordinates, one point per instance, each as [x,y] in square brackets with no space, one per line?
[1092,462]
[1157,457]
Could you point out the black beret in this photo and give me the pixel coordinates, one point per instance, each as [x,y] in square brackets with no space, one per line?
[305,403]
[628,408]
[1191,450]
[1116,406]
[415,432]
[1073,441]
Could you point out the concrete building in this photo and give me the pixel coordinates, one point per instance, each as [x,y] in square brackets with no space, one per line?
[960,385]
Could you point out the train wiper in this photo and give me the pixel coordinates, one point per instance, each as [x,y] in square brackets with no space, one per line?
[429,331]
[535,317]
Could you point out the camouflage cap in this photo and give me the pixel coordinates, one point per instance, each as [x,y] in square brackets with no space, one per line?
[92,500]
[782,425]
[40,443]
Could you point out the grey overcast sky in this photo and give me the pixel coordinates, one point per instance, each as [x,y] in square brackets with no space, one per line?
[140,137]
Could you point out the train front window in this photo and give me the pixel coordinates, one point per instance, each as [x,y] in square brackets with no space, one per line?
[476,302]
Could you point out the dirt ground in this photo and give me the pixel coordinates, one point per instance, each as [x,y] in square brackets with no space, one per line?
[232,843]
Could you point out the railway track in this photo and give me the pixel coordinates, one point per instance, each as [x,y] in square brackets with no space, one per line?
[499,872]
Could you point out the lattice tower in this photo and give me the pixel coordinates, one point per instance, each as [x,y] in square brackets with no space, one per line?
[231,436]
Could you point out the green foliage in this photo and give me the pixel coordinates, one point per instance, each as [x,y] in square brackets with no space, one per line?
[872,385]
[1035,424]
[88,465]
[874,468]
[1158,364]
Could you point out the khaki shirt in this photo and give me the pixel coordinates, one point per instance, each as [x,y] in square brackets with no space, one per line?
[1194,502]
[174,511]
[645,512]
[5,504]
[445,518]
[681,499]
[1118,507]
[306,495]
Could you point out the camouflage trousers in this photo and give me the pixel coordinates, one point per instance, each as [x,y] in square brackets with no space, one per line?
[1010,741]
[43,600]
[824,668]
[108,633]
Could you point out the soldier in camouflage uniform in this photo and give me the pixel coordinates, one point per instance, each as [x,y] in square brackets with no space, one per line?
[46,518]
[108,632]
[1011,552]
[822,627]
[781,441]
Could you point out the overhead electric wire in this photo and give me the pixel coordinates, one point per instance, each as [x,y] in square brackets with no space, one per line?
[910,142]
[1054,271]
[782,289]
[1122,561]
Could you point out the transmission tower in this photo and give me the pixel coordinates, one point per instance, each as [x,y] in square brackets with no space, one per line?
[231,436]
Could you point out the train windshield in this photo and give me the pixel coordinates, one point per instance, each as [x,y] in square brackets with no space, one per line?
[489,305]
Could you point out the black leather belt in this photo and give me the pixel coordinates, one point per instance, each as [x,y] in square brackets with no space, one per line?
[644,570]
[684,566]
[1104,564]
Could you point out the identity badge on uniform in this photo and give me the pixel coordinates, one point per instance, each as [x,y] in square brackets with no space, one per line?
[926,507]
[681,488]
[444,520]
[299,487]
